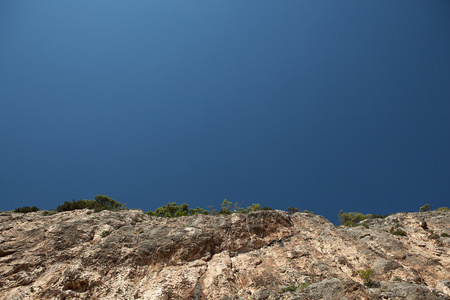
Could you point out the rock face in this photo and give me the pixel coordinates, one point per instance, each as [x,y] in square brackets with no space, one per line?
[263,255]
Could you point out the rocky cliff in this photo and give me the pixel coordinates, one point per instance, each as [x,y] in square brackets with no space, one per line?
[262,255]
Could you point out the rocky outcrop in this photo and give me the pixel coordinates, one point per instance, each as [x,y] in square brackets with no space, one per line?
[263,255]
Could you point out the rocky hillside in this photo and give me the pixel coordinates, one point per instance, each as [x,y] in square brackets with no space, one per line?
[126,254]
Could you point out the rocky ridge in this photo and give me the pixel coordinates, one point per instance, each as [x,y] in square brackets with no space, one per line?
[127,254]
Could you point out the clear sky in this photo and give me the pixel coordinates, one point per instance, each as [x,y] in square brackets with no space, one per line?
[322,105]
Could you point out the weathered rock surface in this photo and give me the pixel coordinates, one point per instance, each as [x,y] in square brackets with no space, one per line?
[263,255]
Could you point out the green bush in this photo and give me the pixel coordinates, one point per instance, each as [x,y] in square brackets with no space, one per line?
[107,202]
[443,209]
[293,288]
[398,231]
[26,209]
[288,289]
[49,212]
[100,203]
[292,210]
[226,208]
[426,207]
[212,210]
[254,207]
[366,276]
[303,285]
[352,219]
[266,208]
[80,204]
[444,235]
[172,210]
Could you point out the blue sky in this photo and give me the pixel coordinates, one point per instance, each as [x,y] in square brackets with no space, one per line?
[321,105]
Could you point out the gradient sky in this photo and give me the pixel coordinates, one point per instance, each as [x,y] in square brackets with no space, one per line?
[322,105]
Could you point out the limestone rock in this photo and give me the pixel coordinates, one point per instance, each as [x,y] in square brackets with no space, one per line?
[383,265]
[263,255]
[444,286]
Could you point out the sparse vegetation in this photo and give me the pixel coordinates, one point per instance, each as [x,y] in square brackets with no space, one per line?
[266,208]
[352,219]
[288,289]
[212,210]
[226,208]
[26,209]
[49,212]
[100,203]
[375,216]
[172,210]
[105,233]
[254,207]
[434,236]
[294,288]
[367,277]
[443,209]
[445,234]
[426,207]
[303,286]
[292,210]
[398,231]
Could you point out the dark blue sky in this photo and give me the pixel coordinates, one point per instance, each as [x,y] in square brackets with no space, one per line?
[322,105]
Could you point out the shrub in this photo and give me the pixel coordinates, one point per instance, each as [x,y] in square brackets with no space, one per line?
[26,209]
[105,234]
[226,208]
[80,204]
[366,276]
[107,202]
[172,210]
[443,209]
[426,207]
[398,231]
[100,203]
[303,285]
[49,212]
[434,236]
[198,211]
[351,219]
[379,216]
[254,207]
[444,235]
[292,210]
[288,289]
[266,208]
[212,210]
